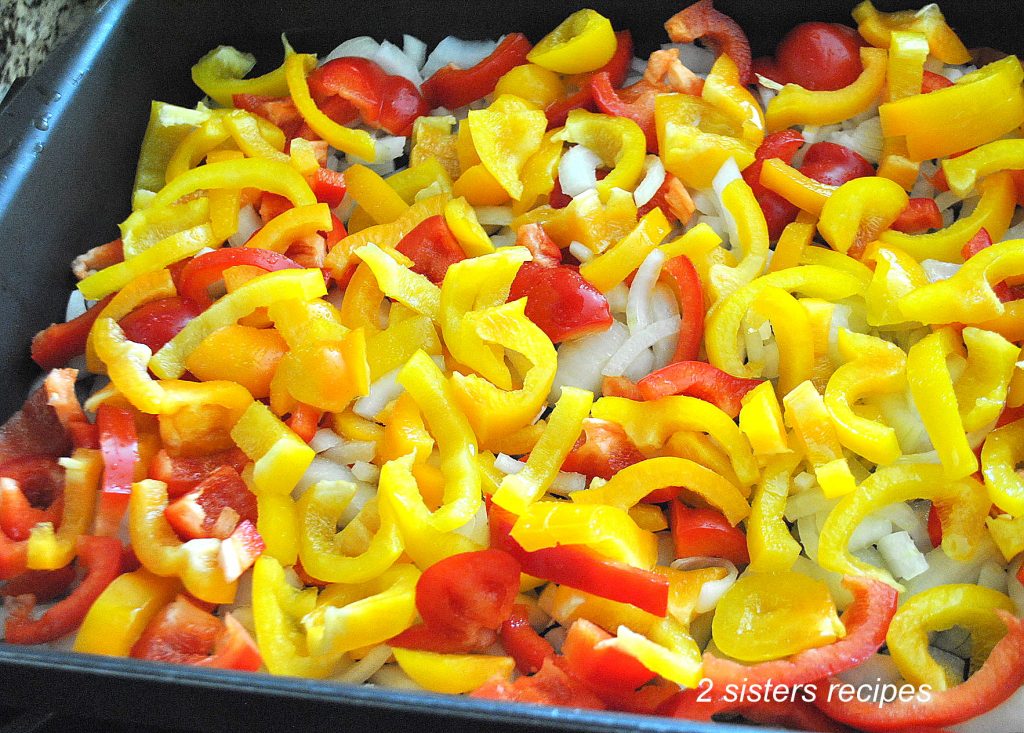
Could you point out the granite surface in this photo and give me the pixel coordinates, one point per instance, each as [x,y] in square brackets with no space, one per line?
[30,29]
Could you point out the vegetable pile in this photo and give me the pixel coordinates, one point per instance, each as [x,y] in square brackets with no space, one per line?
[551,374]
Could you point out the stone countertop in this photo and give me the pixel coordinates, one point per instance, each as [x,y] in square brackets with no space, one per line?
[30,29]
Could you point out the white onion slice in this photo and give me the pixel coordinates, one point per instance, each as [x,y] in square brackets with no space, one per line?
[618,297]
[937,270]
[351,451]
[323,439]
[395,62]
[381,393]
[1014,589]
[637,343]
[654,177]
[365,472]
[415,49]
[577,170]
[507,464]
[901,556]
[712,591]
[581,360]
[580,251]
[248,222]
[360,47]
[75,306]
[460,53]
[867,533]
[366,667]
[322,469]
[664,305]
[641,366]
[494,216]
[639,308]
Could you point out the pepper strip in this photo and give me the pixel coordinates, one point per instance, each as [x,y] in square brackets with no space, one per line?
[802,191]
[615,264]
[769,542]
[274,176]
[981,391]
[400,283]
[295,223]
[792,329]
[618,141]
[160,551]
[936,609]
[878,28]
[50,549]
[896,274]
[117,618]
[631,484]
[993,214]
[280,455]
[761,421]
[650,424]
[931,386]
[795,105]
[873,366]
[1000,455]
[751,231]
[817,435]
[963,507]
[169,361]
[964,171]
[519,490]
[219,74]
[859,210]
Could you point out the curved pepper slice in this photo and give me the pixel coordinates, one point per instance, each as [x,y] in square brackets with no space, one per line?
[274,176]
[749,230]
[936,609]
[650,424]
[631,484]
[980,107]
[352,616]
[896,274]
[280,455]
[168,126]
[616,264]
[618,141]
[295,223]
[1000,455]
[319,510]
[981,390]
[345,139]
[582,42]
[769,542]
[169,362]
[760,420]
[802,191]
[220,75]
[162,553]
[963,507]
[818,438]
[792,328]
[993,214]
[873,366]
[278,608]
[724,90]
[564,425]
[877,29]
[964,171]
[52,549]
[505,135]
[931,386]
[697,379]
[453,87]
[859,210]
[795,105]
[118,617]
[453,674]
[400,282]
[726,317]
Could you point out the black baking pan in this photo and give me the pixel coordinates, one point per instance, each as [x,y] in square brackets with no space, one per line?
[68,142]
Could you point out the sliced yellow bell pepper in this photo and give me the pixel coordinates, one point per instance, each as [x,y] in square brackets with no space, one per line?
[274,176]
[277,522]
[168,125]
[505,135]
[751,232]
[373,194]
[401,283]
[242,354]
[461,219]
[582,42]
[769,541]
[908,50]
[224,202]
[280,455]
[761,421]
[937,609]
[1008,534]
[256,137]
[859,211]
[877,28]
[792,329]
[801,191]
[964,171]
[704,450]
[433,139]
[52,549]
[1000,456]
[616,264]
[395,345]
[531,83]
[405,433]
[295,223]
[818,438]
[670,651]
[795,238]
[795,105]
[896,274]
[980,107]
[453,674]
[565,422]
[145,227]
[723,89]
[586,220]
[981,390]
[220,75]
[618,141]
[117,618]
[196,146]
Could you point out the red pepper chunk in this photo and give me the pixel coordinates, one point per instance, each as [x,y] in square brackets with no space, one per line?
[182,474]
[101,556]
[304,421]
[432,247]
[999,677]
[119,445]
[329,187]
[198,513]
[701,380]
[933,82]
[551,686]
[920,215]
[31,494]
[59,343]
[778,212]
[603,450]
[866,622]
[606,670]
[562,304]
[616,70]
[383,101]
[706,533]
[681,276]
[715,29]
[452,87]
[157,322]
[522,642]
[635,102]
[45,585]
[203,271]
[580,567]
[834,164]
[542,247]
[279,110]
[182,633]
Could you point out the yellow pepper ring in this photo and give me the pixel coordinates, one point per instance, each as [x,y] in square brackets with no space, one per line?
[584,41]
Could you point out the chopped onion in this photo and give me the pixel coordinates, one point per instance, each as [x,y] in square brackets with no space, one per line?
[507,464]
[323,439]
[865,138]
[394,61]
[415,49]
[1014,589]
[640,367]
[942,570]
[639,309]
[497,216]
[806,503]
[901,556]
[937,270]
[75,306]
[361,47]
[577,170]
[351,451]
[462,54]
[705,203]
[807,529]
[664,305]
[712,591]
[618,298]
[637,343]
[766,94]
[867,533]
[993,576]
[876,669]
[381,393]
[567,482]
[392,677]
[903,517]
[365,471]
[580,251]
[727,173]
[322,469]
[769,84]
[954,664]
[581,360]
[477,529]
[504,239]
[365,668]
[248,222]
[652,180]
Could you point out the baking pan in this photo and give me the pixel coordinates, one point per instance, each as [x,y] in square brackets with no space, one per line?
[68,143]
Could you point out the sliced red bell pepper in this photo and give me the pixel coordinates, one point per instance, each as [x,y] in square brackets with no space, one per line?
[701,380]
[606,670]
[198,513]
[522,642]
[383,101]
[920,215]
[59,343]
[562,304]
[452,87]
[603,450]
[37,429]
[706,533]
[635,102]
[1004,291]
[582,568]
[157,322]
[715,29]
[681,276]
[34,494]
[279,110]
[334,236]
[182,633]
[272,205]
[432,247]
[13,557]
[543,248]
[101,556]
[119,445]
[1009,415]
[866,622]
[328,186]
[934,527]
[999,677]
[304,421]
[182,474]
[45,585]
[620,387]
[616,69]
[933,82]
[429,639]
[778,212]
[551,686]
[203,271]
